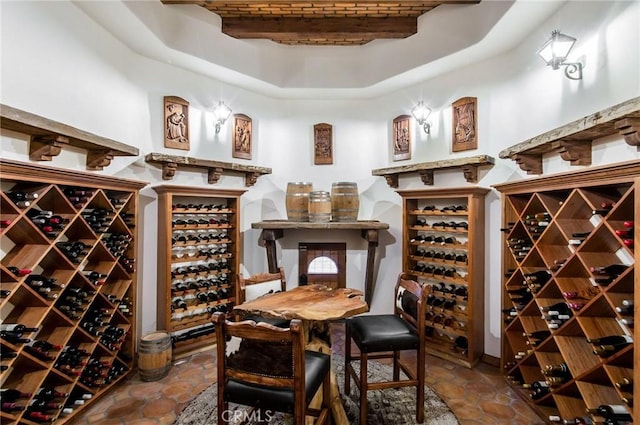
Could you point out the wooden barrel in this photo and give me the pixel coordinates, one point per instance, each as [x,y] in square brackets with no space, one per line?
[154,356]
[319,207]
[298,201]
[345,202]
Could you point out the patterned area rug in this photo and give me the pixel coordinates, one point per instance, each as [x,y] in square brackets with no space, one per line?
[388,407]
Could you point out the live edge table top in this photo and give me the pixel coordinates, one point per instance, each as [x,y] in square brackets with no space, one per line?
[309,302]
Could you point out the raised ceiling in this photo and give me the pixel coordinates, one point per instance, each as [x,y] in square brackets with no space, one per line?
[324,23]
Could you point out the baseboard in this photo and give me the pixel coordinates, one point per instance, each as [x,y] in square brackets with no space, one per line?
[490,360]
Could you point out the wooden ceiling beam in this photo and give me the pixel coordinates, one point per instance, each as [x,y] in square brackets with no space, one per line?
[309,28]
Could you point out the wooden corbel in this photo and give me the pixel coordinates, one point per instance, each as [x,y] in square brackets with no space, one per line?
[577,152]
[531,163]
[213,175]
[427,177]
[44,148]
[250,178]
[98,159]
[470,173]
[629,128]
[169,170]
[392,180]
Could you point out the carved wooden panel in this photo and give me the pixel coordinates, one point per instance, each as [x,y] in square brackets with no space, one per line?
[465,124]
[323,144]
[242,133]
[402,137]
[176,123]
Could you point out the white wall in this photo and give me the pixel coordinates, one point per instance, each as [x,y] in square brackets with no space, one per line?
[56,62]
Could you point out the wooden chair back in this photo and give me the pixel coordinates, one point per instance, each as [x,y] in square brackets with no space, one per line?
[267,356]
[411,303]
[259,284]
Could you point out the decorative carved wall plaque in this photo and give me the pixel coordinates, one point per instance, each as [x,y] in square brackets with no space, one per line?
[176,123]
[242,136]
[402,137]
[465,124]
[322,144]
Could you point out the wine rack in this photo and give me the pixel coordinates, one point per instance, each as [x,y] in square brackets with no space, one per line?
[198,259]
[570,274]
[67,274]
[443,247]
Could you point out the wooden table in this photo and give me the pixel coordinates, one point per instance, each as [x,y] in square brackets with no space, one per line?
[273,230]
[316,306]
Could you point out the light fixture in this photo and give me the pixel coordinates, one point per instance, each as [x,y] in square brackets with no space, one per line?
[555,52]
[221,113]
[421,112]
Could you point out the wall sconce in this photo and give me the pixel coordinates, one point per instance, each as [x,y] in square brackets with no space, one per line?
[421,112]
[221,113]
[555,52]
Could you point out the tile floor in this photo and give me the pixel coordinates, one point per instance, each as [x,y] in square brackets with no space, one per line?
[476,396]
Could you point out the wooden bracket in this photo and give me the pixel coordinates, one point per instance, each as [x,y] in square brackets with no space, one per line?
[98,159]
[427,177]
[169,170]
[213,175]
[629,128]
[44,148]
[577,152]
[251,178]
[392,180]
[530,163]
[470,173]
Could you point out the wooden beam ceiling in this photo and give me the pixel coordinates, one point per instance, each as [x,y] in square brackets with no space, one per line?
[319,22]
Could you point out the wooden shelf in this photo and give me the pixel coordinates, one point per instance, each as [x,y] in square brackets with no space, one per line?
[539,218]
[424,213]
[214,169]
[468,165]
[49,137]
[274,229]
[100,212]
[573,140]
[174,256]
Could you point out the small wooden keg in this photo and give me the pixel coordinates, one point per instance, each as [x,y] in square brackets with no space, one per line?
[154,356]
[319,207]
[297,201]
[345,201]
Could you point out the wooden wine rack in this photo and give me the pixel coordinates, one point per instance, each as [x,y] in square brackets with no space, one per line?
[25,246]
[467,312]
[570,200]
[178,203]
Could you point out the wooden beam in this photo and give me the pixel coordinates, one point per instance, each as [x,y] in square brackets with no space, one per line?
[309,28]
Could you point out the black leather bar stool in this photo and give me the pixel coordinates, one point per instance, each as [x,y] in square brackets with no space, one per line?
[386,336]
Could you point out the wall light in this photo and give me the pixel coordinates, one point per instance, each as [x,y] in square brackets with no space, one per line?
[555,52]
[421,112]
[221,113]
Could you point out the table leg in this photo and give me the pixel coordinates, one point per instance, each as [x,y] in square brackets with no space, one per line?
[338,414]
[370,236]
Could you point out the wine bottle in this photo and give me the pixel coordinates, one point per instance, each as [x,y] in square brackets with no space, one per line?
[606,350]
[11,394]
[625,384]
[9,407]
[14,337]
[611,339]
[628,242]
[17,327]
[625,233]
[613,412]
[18,271]
[612,270]
[20,195]
[541,277]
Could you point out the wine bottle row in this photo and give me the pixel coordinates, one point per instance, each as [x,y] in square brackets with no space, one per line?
[67,273]
[568,300]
